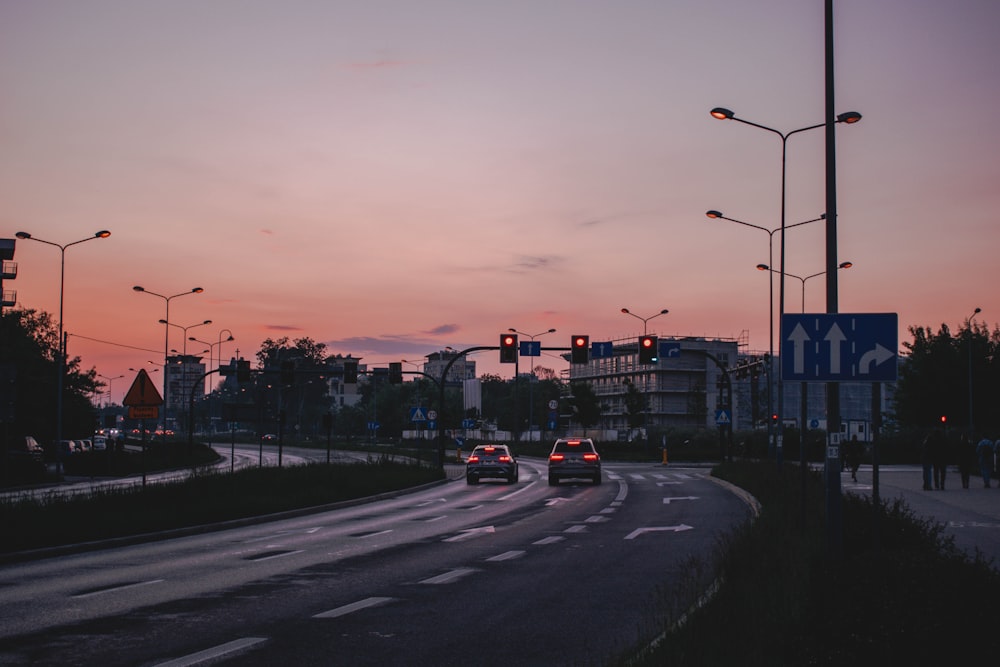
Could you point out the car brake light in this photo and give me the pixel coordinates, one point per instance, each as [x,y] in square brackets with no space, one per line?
[490,450]
[590,457]
[474,459]
[573,443]
[504,458]
[556,457]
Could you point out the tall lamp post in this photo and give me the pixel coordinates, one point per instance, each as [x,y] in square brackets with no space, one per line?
[716,215]
[531,384]
[645,321]
[166,338]
[61,364]
[972,431]
[849,117]
[211,346]
[765,267]
[110,380]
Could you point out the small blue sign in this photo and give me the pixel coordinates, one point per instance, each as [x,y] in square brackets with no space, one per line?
[418,415]
[603,350]
[669,349]
[839,347]
[373,426]
[723,418]
[468,423]
[530,348]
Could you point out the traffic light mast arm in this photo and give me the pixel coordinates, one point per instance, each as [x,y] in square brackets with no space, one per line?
[441,386]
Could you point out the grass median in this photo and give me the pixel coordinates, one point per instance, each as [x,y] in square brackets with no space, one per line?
[203,498]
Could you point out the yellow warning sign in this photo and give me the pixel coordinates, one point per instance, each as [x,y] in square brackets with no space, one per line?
[142,393]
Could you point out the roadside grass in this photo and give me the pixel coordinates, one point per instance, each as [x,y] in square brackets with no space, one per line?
[911,598]
[202,498]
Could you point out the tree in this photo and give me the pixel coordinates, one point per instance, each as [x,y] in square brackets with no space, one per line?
[934,377]
[635,405]
[586,408]
[29,345]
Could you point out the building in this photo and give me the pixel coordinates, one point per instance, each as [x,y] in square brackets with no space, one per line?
[183,378]
[683,389]
[462,368]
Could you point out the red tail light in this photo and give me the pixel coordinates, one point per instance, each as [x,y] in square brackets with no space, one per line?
[504,458]
[557,457]
[590,457]
[474,459]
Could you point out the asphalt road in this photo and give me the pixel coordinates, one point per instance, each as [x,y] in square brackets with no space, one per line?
[448,575]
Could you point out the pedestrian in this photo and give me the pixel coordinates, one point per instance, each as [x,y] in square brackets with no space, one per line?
[966,459]
[926,460]
[939,457]
[985,452]
[853,456]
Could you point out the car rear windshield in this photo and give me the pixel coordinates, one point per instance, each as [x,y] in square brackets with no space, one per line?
[573,446]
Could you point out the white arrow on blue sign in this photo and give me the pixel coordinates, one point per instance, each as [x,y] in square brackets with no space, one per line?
[602,350]
[530,348]
[839,347]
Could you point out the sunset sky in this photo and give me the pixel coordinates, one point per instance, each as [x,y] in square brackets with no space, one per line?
[391,177]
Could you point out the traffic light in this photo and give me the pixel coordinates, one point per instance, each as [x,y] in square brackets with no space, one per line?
[395,372]
[580,349]
[350,372]
[647,349]
[508,348]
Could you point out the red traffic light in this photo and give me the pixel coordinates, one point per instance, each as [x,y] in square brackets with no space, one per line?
[944,419]
[580,349]
[647,349]
[508,348]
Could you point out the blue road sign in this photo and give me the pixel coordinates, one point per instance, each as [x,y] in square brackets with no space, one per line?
[722,417]
[530,348]
[603,350]
[669,349]
[418,415]
[839,347]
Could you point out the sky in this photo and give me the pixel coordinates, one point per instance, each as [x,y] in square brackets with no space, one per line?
[391,178]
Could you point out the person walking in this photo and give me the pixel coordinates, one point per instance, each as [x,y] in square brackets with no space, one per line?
[926,460]
[966,459]
[938,450]
[985,452]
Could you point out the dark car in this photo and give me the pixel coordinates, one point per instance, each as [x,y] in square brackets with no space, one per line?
[574,458]
[490,461]
[25,459]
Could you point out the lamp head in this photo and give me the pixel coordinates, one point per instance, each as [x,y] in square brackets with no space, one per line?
[849,117]
[713,214]
[197,290]
[139,288]
[845,265]
[103,234]
[626,311]
[664,311]
[551,331]
[763,267]
[23,235]
[977,311]
[722,113]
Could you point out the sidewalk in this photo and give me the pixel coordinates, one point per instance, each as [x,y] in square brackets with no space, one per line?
[971,516]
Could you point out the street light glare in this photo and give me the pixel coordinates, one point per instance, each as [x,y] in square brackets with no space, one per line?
[722,113]
[849,117]
[713,214]
[103,234]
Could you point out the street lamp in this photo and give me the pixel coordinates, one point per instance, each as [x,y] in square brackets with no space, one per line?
[849,118]
[212,345]
[972,433]
[166,337]
[765,267]
[531,385]
[61,365]
[716,215]
[110,380]
[644,319]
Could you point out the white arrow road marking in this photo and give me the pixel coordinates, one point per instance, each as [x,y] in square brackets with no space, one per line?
[876,357]
[666,501]
[835,337]
[658,529]
[553,501]
[799,336]
[449,577]
[469,533]
[353,607]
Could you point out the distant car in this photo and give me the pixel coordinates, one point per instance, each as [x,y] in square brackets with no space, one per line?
[69,447]
[100,443]
[269,437]
[493,461]
[574,458]
[26,458]
[85,445]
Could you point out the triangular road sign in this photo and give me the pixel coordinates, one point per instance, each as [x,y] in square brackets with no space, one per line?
[142,393]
